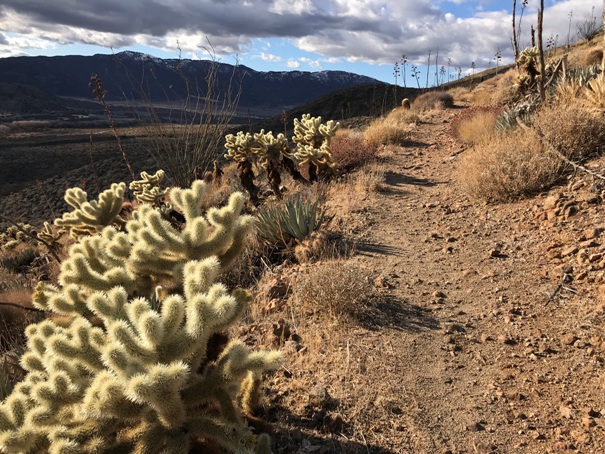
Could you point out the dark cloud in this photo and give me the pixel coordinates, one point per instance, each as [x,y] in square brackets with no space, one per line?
[375,31]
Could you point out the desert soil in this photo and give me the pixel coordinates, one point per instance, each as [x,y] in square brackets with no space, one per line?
[486,334]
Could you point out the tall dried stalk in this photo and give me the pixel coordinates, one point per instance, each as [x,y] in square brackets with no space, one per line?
[187,148]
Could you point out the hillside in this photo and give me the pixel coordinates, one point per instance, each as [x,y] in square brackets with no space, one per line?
[130,76]
[437,320]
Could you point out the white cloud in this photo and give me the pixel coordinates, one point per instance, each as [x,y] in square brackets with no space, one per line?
[315,64]
[269,57]
[292,63]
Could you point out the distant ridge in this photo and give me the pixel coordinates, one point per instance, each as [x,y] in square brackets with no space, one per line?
[126,74]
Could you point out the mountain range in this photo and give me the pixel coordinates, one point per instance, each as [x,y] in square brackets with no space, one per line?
[131,77]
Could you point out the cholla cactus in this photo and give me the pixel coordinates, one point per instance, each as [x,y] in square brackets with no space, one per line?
[14,235]
[528,62]
[240,147]
[313,140]
[147,189]
[91,217]
[270,152]
[141,379]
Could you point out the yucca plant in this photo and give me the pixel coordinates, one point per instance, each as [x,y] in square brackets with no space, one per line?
[292,221]
[595,91]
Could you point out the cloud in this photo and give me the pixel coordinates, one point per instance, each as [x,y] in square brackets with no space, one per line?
[315,64]
[270,57]
[372,31]
[293,64]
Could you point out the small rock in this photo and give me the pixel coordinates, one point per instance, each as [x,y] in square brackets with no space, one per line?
[494,253]
[551,201]
[566,412]
[504,339]
[592,233]
[569,250]
[569,339]
[579,435]
[588,422]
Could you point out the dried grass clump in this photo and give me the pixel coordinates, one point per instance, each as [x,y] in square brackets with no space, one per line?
[593,57]
[510,167]
[476,125]
[392,129]
[504,91]
[573,130]
[339,287]
[350,151]
[461,94]
[434,100]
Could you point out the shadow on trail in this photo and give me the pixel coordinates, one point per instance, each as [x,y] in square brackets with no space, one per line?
[374,248]
[391,312]
[303,434]
[397,180]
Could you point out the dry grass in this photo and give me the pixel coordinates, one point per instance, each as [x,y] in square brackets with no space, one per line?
[593,56]
[433,100]
[339,287]
[574,130]
[476,125]
[461,94]
[504,91]
[350,151]
[509,167]
[392,129]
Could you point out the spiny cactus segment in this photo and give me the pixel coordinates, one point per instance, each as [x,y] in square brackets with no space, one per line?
[88,218]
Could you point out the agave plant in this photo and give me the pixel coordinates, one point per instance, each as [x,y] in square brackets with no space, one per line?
[595,91]
[292,221]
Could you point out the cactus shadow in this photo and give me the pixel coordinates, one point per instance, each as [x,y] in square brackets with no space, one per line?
[399,180]
[387,311]
[303,435]
[368,249]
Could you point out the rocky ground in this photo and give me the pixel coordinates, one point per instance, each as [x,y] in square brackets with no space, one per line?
[486,334]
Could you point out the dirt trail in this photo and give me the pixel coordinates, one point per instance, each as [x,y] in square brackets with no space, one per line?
[464,352]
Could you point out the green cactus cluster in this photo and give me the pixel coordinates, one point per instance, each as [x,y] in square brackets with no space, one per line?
[313,144]
[128,366]
[14,235]
[312,139]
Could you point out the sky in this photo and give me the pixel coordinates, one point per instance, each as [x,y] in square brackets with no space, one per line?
[361,36]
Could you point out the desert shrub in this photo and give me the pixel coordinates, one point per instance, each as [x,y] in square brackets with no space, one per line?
[19,260]
[461,94]
[393,128]
[433,100]
[350,151]
[509,167]
[481,96]
[475,125]
[339,287]
[573,130]
[593,57]
[367,181]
